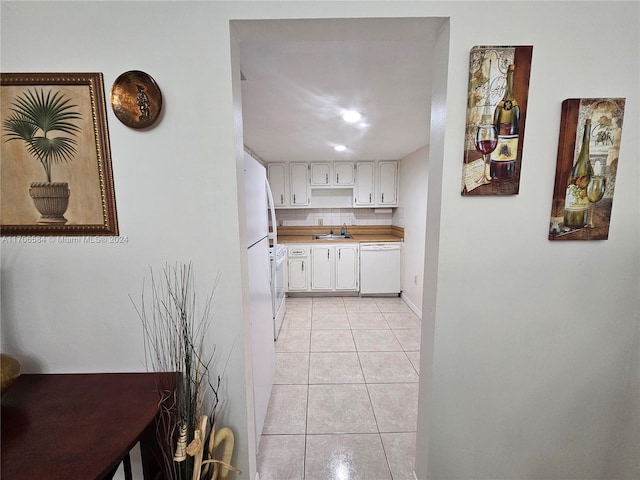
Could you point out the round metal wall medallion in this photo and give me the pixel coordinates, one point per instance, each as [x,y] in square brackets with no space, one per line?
[136,99]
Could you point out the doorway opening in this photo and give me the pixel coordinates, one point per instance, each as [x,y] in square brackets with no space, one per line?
[297,78]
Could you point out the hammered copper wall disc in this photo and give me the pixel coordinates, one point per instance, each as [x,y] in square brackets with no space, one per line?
[136,99]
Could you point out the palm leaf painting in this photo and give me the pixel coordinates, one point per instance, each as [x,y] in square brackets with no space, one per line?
[45,123]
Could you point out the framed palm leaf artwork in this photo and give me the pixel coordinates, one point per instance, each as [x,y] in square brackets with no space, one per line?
[55,162]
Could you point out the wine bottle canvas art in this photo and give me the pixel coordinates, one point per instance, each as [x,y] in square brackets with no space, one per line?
[588,150]
[495,124]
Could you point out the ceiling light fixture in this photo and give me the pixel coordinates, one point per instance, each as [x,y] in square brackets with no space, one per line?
[339,148]
[351,116]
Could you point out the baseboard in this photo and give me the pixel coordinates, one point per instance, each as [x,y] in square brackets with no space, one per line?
[410,304]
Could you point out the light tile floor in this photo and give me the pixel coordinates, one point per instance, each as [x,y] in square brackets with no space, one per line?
[344,401]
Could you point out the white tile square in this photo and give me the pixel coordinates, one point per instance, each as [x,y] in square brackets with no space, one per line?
[392,304]
[367,320]
[293,341]
[346,457]
[409,338]
[402,320]
[296,320]
[281,457]
[287,412]
[340,409]
[400,449]
[332,341]
[329,321]
[292,368]
[376,341]
[337,367]
[387,367]
[395,406]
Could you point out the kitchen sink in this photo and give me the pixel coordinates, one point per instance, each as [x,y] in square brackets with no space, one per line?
[331,237]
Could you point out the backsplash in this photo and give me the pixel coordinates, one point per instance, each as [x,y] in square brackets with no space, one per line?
[332,216]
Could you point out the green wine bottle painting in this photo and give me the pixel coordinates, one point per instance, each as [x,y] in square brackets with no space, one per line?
[588,151]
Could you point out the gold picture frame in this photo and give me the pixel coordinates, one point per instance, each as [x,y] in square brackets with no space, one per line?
[55,158]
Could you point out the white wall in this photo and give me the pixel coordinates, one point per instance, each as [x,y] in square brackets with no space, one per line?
[65,308]
[410,214]
[534,368]
[535,343]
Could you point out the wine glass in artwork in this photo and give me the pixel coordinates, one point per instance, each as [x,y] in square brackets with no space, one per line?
[595,191]
[486,141]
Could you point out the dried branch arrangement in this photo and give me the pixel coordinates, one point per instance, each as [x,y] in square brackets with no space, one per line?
[174,334]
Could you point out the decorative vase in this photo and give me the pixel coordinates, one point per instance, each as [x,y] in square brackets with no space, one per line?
[51,199]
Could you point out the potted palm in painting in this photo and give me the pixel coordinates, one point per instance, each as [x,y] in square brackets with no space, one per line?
[44,121]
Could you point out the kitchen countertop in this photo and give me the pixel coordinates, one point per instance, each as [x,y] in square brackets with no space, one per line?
[359,234]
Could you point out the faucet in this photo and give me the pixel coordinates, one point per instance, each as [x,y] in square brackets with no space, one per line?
[343,230]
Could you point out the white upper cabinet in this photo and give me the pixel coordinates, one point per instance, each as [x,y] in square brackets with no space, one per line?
[343,174]
[363,191]
[387,184]
[376,184]
[299,179]
[334,184]
[277,174]
[321,174]
[338,174]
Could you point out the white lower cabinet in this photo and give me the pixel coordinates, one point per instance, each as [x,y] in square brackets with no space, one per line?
[347,268]
[334,267]
[298,268]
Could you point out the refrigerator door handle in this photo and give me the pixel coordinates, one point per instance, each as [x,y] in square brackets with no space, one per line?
[274,233]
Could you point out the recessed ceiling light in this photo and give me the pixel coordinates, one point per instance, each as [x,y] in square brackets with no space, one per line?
[351,116]
[339,148]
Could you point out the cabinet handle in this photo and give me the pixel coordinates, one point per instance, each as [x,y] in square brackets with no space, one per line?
[281,198]
[302,263]
[369,198]
[383,198]
[327,254]
[294,198]
[337,178]
[339,253]
[326,178]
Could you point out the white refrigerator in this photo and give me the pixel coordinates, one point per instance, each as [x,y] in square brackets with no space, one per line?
[261,315]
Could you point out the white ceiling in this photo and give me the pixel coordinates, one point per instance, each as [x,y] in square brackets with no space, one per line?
[301,74]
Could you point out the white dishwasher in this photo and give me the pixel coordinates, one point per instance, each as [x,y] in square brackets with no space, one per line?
[380,268]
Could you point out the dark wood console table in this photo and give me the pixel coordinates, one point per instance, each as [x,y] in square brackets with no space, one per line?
[78,426]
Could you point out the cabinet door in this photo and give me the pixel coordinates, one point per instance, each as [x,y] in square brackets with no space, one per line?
[321,174]
[297,274]
[388,183]
[299,184]
[363,193]
[321,271]
[344,174]
[347,268]
[277,181]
